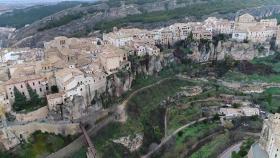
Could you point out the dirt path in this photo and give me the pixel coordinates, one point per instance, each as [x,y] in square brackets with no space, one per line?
[75,146]
[166,139]
[121,108]
[228,151]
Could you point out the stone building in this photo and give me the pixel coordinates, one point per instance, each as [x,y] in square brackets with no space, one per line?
[270,136]
[37,83]
[247,28]
[113,59]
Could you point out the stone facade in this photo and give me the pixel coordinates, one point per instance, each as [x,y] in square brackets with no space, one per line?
[11,136]
[270,136]
[247,28]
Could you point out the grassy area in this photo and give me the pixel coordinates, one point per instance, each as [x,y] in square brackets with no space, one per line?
[240,77]
[145,108]
[273,91]
[272,61]
[244,149]
[269,99]
[210,149]
[80,154]
[103,141]
[178,117]
[41,144]
[145,116]
[187,137]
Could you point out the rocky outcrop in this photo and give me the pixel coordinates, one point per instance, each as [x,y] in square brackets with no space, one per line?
[261,12]
[120,83]
[150,65]
[236,50]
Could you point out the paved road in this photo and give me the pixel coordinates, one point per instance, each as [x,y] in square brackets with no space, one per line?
[228,151]
[166,139]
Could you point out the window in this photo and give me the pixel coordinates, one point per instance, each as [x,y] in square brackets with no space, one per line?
[22,93]
[81,89]
[40,89]
[39,82]
[33,84]
[21,86]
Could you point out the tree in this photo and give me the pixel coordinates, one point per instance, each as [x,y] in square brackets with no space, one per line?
[34,97]
[236,105]
[20,100]
[189,39]
[54,89]
[216,117]
[269,99]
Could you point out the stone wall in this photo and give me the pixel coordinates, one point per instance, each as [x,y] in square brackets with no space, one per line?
[24,131]
[11,136]
[34,115]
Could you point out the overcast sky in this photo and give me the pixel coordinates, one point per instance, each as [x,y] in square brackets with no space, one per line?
[35,1]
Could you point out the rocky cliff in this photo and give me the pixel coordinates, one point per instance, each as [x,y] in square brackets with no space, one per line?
[236,50]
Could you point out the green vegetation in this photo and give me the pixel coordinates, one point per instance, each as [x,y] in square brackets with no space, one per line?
[22,104]
[20,17]
[245,147]
[272,61]
[80,154]
[197,10]
[54,89]
[178,117]
[145,108]
[265,69]
[62,21]
[211,149]
[240,77]
[103,141]
[189,136]
[145,115]
[269,99]
[41,144]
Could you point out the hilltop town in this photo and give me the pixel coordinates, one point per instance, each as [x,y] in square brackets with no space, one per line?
[74,82]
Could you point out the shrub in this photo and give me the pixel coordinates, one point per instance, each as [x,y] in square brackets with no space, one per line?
[54,89]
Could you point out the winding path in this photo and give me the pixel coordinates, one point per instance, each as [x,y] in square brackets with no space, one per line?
[75,146]
[166,139]
[228,151]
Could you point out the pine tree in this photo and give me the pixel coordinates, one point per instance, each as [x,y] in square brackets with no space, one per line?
[34,97]
[54,89]
[20,100]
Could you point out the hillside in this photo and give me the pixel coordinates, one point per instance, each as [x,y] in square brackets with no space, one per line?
[82,20]
[20,17]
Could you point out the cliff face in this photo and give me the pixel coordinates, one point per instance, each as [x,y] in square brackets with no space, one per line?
[119,83]
[238,51]
[261,12]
